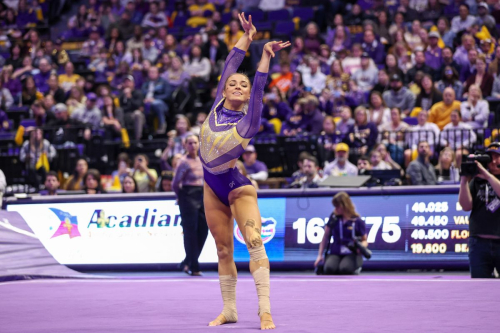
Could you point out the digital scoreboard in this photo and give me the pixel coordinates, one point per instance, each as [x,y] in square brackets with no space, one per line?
[417,228]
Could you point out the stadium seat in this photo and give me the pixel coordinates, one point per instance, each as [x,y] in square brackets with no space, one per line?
[180,21]
[28,123]
[226,17]
[305,14]
[257,15]
[412,121]
[278,15]
[285,28]
[263,26]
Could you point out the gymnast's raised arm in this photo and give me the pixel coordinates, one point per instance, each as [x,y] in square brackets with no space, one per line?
[237,54]
[250,124]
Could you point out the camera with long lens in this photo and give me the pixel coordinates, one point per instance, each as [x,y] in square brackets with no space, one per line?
[356,245]
[469,166]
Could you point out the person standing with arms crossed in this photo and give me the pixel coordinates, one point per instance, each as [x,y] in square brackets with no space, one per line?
[235,118]
[188,187]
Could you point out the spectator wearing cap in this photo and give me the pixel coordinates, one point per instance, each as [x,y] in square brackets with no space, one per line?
[314,79]
[469,67]
[373,47]
[463,21]
[420,65]
[68,79]
[481,77]
[132,106]
[341,166]
[256,170]
[154,18]
[399,96]
[366,77]
[90,114]
[157,92]
[92,46]
[440,112]
[484,18]
[433,53]
[149,52]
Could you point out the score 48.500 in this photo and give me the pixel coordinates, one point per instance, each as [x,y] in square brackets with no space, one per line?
[313,230]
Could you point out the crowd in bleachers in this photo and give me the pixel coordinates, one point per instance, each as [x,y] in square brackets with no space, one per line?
[364,83]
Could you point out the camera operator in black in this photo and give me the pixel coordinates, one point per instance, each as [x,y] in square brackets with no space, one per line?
[481,196]
[344,224]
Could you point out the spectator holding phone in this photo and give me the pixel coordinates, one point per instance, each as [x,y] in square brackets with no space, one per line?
[144,177]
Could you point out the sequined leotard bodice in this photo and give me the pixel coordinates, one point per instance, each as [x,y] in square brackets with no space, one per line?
[225,133]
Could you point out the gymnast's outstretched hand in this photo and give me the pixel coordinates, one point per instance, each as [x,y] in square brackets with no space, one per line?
[272,47]
[247,25]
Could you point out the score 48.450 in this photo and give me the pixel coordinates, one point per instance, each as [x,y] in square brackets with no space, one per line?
[313,230]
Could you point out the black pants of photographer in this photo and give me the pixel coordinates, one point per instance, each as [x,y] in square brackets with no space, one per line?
[194,224]
[339,264]
[484,257]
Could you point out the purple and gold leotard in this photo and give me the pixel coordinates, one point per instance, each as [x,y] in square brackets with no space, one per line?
[225,133]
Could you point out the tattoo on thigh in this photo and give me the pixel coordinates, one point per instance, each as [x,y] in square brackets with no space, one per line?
[250,223]
[256,242]
[257,230]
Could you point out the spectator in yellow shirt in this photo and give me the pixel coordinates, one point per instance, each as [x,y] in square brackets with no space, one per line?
[69,78]
[441,111]
[200,12]
[233,35]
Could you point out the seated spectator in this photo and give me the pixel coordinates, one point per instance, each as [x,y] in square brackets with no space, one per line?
[241,168]
[124,169]
[373,48]
[421,171]
[329,138]
[200,119]
[461,53]
[412,37]
[137,41]
[53,89]
[420,65]
[383,83]
[464,21]
[112,119]
[378,113]
[76,99]
[392,66]
[448,60]
[130,102]
[51,183]
[99,63]
[312,117]
[433,53]
[176,76]
[197,66]
[446,169]
[26,16]
[232,35]
[120,75]
[120,54]
[386,156]
[275,107]
[66,129]
[129,185]
[6,99]
[339,38]
[429,95]
[75,181]
[30,93]
[366,76]
[41,116]
[35,152]
[16,58]
[166,180]
[157,92]
[314,79]
[92,182]
[450,79]
[149,51]
[297,89]
[494,66]
[341,166]
[12,84]
[440,112]
[364,165]
[469,67]
[312,38]
[89,114]
[377,162]
[69,78]
[345,121]
[144,177]
[93,45]
[214,49]
[42,77]
[363,134]
[256,170]
[199,12]
[295,121]
[399,96]
[395,124]
[176,138]
[311,177]
[458,135]
[482,78]
[154,18]
[475,110]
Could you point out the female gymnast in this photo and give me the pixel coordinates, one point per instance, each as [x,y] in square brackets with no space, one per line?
[233,121]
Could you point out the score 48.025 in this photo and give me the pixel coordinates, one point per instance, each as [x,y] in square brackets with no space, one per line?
[313,230]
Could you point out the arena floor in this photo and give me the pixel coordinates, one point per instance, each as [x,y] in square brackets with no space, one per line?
[372,302]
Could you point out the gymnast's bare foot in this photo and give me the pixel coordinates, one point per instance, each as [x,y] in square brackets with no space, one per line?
[266,322]
[220,320]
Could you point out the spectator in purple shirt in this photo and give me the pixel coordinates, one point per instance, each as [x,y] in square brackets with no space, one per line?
[43,76]
[362,136]
[25,15]
[373,47]
[433,53]
[274,107]
[4,122]
[256,169]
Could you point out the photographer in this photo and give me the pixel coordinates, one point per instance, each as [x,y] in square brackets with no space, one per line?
[345,224]
[481,196]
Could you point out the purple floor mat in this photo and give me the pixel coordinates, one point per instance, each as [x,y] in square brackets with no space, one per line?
[299,304]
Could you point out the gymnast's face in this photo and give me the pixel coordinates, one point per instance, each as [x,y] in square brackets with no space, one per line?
[237,88]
